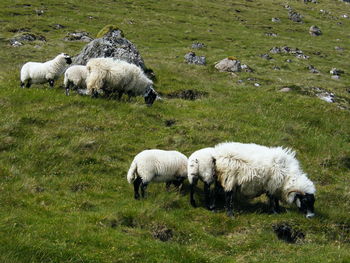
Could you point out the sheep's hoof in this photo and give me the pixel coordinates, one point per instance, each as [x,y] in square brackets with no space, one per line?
[230,214]
[212,207]
[193,204]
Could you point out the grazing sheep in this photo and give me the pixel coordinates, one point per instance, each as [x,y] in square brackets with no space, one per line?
[75,76]
[158,166]
[252,170]
[201,165]
[49,71]
[117,76]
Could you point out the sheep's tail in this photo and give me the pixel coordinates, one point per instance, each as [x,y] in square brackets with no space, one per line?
[132,173]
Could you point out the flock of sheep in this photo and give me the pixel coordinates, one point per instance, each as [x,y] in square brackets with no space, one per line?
[248,169]
[100,75]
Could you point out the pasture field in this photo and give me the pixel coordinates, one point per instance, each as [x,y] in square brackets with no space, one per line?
[63,160]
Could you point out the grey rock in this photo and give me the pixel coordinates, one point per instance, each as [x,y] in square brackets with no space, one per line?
[246,68]
[295,16]
[229,65]
[197,45]
[27,37]
[275,50]
[271,34]
[78,36]
[39,12]
[335,77]
[310,1]
[113,45]
[16,43]
[335,71]
[315,31]
[266,56]
[257,84]
[302,56]
[326,96]
[191,58]
[57,26]
[289,60]
[275,20]
[313,69]
[339,48]
[285,89]
[276,68]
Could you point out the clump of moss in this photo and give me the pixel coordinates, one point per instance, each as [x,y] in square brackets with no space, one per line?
[108,28]
[232,58]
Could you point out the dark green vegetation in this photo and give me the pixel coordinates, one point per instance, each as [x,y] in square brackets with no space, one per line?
[63,160]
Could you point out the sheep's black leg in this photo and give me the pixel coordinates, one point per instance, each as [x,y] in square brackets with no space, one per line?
[143,189]
[137,183]
[192,201]
[229,203]
[274,206]
[94,94]
[215,194]
[22,84]
[51,82]
[29,83]
[167,185]
[68,87]
[207,195]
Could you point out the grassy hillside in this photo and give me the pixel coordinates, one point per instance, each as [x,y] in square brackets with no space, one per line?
[63,160]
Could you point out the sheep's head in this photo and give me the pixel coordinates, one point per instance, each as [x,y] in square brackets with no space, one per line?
[150,95]
[305,202]
[67,58]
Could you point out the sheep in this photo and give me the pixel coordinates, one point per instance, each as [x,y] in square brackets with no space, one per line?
[117,76]
[252,170]
[157,166]
[75,76]
[49,71]
[201,165]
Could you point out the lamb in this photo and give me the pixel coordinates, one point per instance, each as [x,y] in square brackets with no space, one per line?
[201,165]
[49,71]
[117,76]
[252,170]
[75,76]
[157,166]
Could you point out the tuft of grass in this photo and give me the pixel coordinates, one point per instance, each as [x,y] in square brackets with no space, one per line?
[108,28]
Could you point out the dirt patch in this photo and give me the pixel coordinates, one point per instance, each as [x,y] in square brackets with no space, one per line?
[169,123]
[188,94]
[286,233]
[162,233]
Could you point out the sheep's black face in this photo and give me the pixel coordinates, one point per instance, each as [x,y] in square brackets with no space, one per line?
[150,96]
[68,60]
[306,204]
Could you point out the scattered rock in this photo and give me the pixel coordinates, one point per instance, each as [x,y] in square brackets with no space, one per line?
[326,96]
[289,60]
[17,40]
[271,34]
[286,233]
[112,44]
[302,56]
[186,94]
[285,89]
[276,68]
[313,69]
[57,26]
[169,123]
[197,45]
[335,77]
[246,68]
[257,84]
[310,1]
[339,48]
[230,64]
[275,20]
[266,56]
[162,233]
[39,12]
[79,187]
[295,16]
[78,36]
[315,31]
[335,71]
[275,50]
[191,58]
[19,30]
[344,16]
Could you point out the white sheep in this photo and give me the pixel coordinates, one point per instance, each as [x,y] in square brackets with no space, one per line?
[75,76]
[49,71]
[157,166]
[201,165]
[117,76]
[252,170]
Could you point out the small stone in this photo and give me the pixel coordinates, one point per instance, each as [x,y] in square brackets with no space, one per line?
[276,68]
[78,36]
[257,84]
[289,60]
[285,89]
[229,65]
[39,12]
[295,16]
[266,56]
[16,43]
[275,20]
[275,50]
[339,48]
[302,56]
[198,45]
[335,71]
[271,34]
[58,26]
[313,69]
[191,58]
[336,77]
[315,31]
[344,16]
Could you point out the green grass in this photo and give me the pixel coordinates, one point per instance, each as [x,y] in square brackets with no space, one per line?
[63,160]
